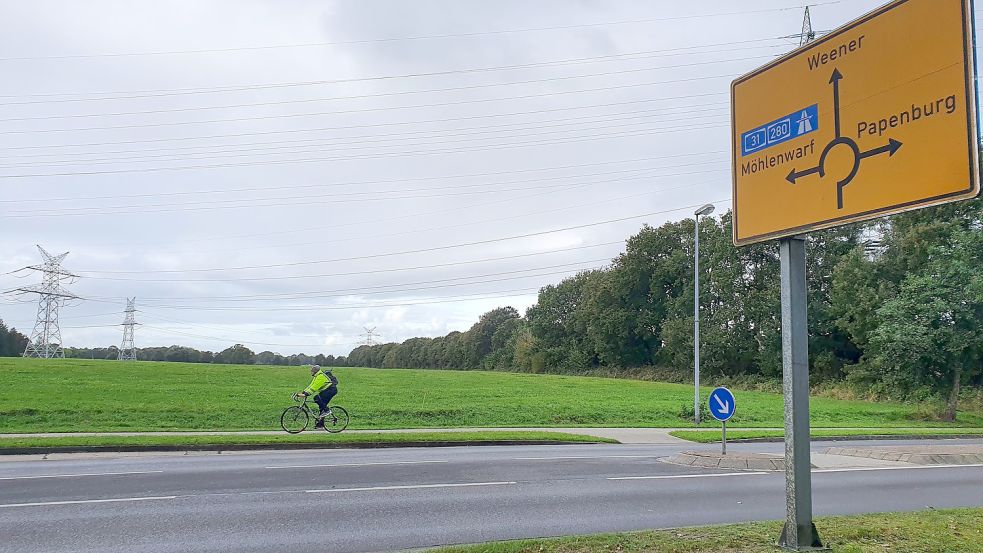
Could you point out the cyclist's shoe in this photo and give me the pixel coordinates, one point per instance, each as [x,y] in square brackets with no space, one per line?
[319,423]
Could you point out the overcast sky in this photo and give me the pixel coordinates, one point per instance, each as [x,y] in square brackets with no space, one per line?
[282,174]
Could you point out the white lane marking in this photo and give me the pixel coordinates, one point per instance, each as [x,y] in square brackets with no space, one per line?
[586,457]
[413,487]
[860,469]
[355,464]
[84,501]
[80,474]
[671,476]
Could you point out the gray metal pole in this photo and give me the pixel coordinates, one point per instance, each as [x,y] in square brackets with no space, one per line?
[696,321]
[723,438]
[799,533]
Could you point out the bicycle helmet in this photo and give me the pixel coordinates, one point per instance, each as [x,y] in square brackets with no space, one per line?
[314,369]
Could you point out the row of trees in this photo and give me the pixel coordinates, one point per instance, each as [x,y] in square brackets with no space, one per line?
[895,307]
[237,355]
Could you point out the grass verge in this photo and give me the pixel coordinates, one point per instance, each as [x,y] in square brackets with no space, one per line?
[287,439]
[708,437]
[82,395]
[934,531]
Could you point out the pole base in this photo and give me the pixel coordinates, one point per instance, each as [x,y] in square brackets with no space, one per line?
[815,543]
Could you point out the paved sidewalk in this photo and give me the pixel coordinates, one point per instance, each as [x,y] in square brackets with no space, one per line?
[623,435]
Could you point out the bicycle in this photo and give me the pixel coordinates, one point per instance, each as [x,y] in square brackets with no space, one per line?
[295,418]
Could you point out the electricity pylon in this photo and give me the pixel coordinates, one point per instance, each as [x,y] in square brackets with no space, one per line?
[128,351]
[370,337]
[46,336]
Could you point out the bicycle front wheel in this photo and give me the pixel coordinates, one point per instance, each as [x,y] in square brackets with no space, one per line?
[337,420]
[294,419]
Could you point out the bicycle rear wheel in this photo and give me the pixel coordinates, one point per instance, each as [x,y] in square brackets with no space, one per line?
[294,419]
[337,420]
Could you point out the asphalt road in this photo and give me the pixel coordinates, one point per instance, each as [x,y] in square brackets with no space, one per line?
[391,499]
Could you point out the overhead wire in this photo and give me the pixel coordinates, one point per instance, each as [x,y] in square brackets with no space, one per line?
[414,38]
[376,142]
[495,147]
[375,109]
[403,252]
[693,113]
[312,199]
[627,56]
[370,125]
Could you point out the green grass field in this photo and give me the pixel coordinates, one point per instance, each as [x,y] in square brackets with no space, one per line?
[932,531]
[75,395]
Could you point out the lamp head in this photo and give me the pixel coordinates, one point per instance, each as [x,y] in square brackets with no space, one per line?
[705,210]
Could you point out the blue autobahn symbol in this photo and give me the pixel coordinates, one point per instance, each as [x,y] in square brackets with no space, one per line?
[722,404]
[800,122]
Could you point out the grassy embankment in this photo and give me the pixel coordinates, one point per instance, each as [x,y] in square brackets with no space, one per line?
[80,395]
[934,531]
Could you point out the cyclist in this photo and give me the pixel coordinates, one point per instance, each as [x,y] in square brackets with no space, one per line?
[323,387]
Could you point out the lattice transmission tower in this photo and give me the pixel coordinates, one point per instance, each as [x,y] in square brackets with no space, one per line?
[807,35]
[128,351]
[369,337]
[46,336]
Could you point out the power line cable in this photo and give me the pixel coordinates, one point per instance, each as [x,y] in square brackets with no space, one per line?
[371,271]
[375,141]
[390,181]
[376,109]
[480,131]
[368,156]
[372,125]
[87,273]
[312,199]
[411,38]
[140,94]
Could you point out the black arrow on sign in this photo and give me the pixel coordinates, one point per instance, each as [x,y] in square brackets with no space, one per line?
[834,79]
[793,175]
[889,148]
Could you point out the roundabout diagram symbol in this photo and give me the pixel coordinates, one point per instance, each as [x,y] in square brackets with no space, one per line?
[890,148]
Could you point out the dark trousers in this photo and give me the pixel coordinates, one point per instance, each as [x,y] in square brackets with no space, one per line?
[324,397]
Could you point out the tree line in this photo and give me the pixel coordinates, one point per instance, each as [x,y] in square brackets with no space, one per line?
[895,309]
[235,355]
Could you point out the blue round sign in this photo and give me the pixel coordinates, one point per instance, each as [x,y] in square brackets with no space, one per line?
[722,404]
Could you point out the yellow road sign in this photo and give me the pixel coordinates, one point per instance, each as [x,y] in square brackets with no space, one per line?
[875,118]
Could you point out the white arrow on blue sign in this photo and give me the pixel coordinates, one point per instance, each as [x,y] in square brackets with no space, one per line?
[722,404]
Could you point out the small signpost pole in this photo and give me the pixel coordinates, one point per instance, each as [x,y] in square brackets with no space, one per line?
[723,438]
[799,533]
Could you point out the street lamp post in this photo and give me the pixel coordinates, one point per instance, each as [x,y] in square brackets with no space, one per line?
[705,210]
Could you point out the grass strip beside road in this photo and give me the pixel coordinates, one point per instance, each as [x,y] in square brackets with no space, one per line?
[81,395]
[713,436]
[394,438]
[933,531]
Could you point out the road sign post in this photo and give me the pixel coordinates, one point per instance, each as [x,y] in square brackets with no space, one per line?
[799,532]
[875,118]
[722,405]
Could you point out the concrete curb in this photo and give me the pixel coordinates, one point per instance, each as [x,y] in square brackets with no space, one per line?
[219,448]
[936,457]
[851,438]
[737,461]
